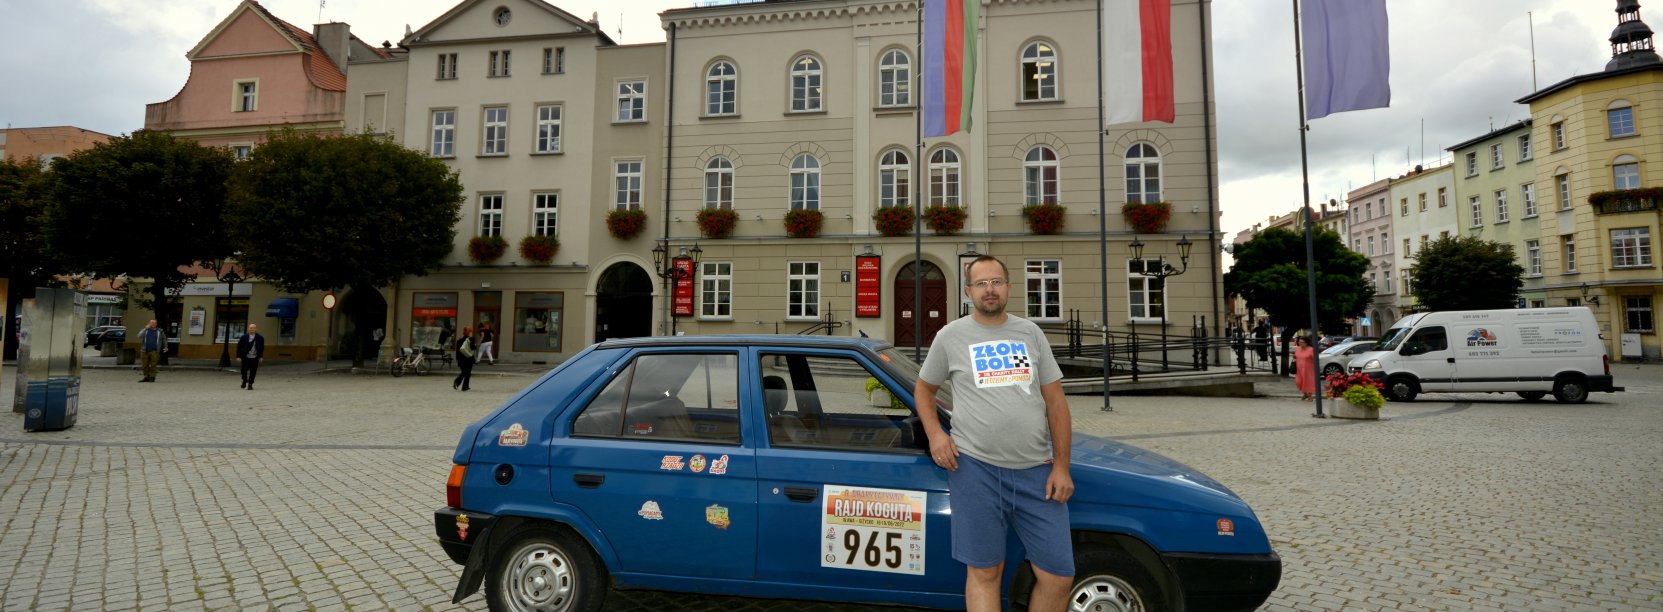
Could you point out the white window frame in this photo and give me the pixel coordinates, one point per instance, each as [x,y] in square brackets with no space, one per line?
[632,101]
[245,95]
[1443,197]
[805,183]
[1568,248]
[627,178]
[549,131]
[548,60]
[1387,277]
[494,139]
[1408,247]
[1528,193]
[946,177]
[1043,278]
[1533,257]
[1476,205]
[1525,152]
[1635,304]
[894,179]
[1404,204]
[802,291]
[1039,63]
[1563,186]
[1501,206]
[1497,158]
[545,213]
[715,291]
[1631,247]
[1040,171]
[1625,175]
[443,134]
[1142,161]
[1421,201]
[895,79]
[721,89]
[242,151]
[1408,287]
[1472,163]
[1385,242]
[1141,291]
[490,214]
[808,78]
[1558,129]
[718,184]
[498,64]
[1619,122]
[447,67]
[1371,245]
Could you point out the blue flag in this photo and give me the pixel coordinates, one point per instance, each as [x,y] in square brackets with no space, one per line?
[1347,66]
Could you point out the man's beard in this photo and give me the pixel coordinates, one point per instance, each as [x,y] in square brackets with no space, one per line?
[994,309]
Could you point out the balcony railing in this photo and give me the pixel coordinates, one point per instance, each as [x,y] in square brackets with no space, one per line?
[1626,200]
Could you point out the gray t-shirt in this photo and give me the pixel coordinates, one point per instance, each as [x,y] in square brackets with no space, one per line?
[996,373]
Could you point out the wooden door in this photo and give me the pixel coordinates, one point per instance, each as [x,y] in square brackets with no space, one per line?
[933,311]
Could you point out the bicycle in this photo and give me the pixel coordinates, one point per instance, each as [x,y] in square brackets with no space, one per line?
[410,361]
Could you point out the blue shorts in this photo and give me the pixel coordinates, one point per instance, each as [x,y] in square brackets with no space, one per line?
[989,500]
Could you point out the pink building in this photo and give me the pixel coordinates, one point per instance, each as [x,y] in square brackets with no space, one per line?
[44,144]
[254,73]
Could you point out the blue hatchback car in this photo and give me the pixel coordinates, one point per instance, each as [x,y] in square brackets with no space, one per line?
[794,467]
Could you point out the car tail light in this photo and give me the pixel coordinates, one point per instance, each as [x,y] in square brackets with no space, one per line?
[1607,360]
[453,486]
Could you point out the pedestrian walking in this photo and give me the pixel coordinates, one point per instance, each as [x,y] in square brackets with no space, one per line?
[1304,367]
[487,343]
[251,348]
[465,353]
[152,341]
[1008,455]
[1261,340]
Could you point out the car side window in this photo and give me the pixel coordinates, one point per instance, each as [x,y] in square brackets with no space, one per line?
[681,396]
[835,402]
[1426,340]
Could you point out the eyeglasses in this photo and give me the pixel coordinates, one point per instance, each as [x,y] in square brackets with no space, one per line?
[992,283]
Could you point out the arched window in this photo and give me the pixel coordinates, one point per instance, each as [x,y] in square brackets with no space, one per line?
[805,183]
[1040,176]
[721,86]
[895,79]
[1625,172]
[718,183]
[805,84]
[946,178]
[1143,173]
[894,179]
[1039,71]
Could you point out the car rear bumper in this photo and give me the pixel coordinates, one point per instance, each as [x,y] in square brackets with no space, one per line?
[458,530]
[1603,383]
[1225,582]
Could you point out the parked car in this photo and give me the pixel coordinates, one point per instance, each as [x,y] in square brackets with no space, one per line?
[778,467]
[1328,341]
[114,334]
[1339,356]
[93,334]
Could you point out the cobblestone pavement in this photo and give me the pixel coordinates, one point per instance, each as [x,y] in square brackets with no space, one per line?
[316,490]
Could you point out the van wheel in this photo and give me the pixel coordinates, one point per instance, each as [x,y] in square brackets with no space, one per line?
[1401,389]
[1531,396]
[1570,391]
[543,568]
[1332,369]
[1110,580]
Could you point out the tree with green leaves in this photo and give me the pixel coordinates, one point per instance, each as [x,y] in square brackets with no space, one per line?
[1269,273]
[147,205]
[1466,273]
[318,213]
[24,256]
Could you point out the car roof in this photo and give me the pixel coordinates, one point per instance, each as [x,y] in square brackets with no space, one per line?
[845,342]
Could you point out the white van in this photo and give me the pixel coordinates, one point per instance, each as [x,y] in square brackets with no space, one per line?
[1532,352]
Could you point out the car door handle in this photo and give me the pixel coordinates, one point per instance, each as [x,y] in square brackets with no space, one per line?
[802,494]
[1452,360]
[589,481]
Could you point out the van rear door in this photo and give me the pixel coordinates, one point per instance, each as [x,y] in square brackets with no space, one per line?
[1426,355]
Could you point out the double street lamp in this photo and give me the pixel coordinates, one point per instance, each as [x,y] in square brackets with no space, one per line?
[227,273]
[672,273]
[1161,273]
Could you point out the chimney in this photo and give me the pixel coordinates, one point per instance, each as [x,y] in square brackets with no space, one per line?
[333,38]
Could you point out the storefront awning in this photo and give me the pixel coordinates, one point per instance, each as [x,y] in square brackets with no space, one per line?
[284,308]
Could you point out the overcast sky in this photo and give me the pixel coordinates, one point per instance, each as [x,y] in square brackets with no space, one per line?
[1457,65]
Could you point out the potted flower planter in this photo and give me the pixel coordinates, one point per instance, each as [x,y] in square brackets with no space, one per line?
[893,220]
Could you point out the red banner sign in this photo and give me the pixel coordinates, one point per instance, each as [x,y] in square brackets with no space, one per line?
[682,306]
[868,286]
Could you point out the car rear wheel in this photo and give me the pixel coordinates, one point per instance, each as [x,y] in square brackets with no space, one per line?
[1108,580]
[1531,396]
[1401,389]
[1570,391]
[543,569]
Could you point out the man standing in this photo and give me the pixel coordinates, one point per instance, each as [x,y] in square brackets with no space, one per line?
[251,347]
[152,341]
[1008,454]
[487,343]
[1261,340]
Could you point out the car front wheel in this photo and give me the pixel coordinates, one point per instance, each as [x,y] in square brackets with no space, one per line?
[1401,389]
[1332,369]
[543,569]
[1108,580]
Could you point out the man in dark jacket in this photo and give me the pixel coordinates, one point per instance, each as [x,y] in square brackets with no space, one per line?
[1261,340]
[250,348]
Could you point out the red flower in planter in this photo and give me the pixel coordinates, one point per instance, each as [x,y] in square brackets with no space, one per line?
[894,220]
[539,249]
[626,223]
[803,223]
[717,222]
[486,249]
[1147,217]
[947,220]
[1045,218]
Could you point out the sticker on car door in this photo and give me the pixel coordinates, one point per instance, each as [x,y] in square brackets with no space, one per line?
[873,530]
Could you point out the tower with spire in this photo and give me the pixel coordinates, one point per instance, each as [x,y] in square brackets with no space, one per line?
[1631,44]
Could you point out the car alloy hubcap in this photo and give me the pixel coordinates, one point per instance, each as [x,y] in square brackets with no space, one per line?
[540,580]
[1104,594]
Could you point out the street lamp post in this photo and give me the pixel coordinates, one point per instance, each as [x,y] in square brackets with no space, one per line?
[230,277]
[672,274]
[1162,273]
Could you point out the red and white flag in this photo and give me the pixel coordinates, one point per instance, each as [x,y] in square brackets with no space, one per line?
[1137,61]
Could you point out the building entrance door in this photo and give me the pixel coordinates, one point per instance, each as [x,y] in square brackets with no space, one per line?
[933,310]
[623,303]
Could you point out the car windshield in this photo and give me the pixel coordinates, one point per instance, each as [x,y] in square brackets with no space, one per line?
[904,369]
[1336,349]
[1394,337]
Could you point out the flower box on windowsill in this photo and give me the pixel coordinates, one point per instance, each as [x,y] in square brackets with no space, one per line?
[1045,219]
[803,223]
[1147,218]
[539,249]
[893,220]
[716,223]
[486,249]
[625,224]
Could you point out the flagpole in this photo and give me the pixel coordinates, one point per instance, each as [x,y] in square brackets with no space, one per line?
[1305,174]
[918,211]
[1102,208]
